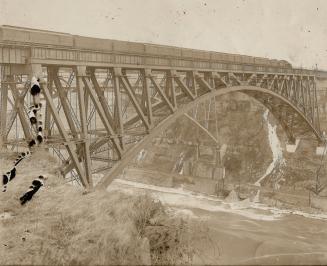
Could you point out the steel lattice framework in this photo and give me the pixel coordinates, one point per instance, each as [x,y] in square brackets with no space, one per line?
[99,115]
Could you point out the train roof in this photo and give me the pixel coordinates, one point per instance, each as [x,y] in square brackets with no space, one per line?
[33,30]
[69,40]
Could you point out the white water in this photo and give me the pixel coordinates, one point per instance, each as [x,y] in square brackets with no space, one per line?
[276,149]
[182,198]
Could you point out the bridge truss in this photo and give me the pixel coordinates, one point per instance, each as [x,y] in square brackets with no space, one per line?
[98,118]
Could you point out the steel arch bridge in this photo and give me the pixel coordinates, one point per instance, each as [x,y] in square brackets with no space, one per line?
[102,107]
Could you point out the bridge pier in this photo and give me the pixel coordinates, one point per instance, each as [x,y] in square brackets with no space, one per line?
[292,146]
[321,150]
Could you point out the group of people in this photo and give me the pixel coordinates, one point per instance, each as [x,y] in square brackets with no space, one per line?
[34,113]
[10,175]
[35,118]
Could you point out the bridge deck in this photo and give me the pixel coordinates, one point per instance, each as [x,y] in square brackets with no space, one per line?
[25,46]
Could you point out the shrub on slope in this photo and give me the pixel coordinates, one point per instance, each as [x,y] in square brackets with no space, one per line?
[60,226]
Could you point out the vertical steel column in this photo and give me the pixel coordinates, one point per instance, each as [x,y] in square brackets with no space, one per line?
[3,114]
[102,114]
[209,79]
[68,143]
[147,90]
[80,74]
[47,119]
[102,99]
[172,89]
[311,100]
[317,120]
[19,105]
[62,94]
[118,105]
[302,96]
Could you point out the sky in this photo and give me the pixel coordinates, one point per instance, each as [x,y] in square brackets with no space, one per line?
[293,30]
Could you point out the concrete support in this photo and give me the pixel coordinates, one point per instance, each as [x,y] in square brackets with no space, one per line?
[291,147]
[321,150]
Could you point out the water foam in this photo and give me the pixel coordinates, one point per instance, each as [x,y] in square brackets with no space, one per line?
[276,149]
[182,198]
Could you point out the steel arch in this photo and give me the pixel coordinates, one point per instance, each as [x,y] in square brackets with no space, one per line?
[164,124]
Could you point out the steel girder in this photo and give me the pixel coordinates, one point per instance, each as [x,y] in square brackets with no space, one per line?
[100,118]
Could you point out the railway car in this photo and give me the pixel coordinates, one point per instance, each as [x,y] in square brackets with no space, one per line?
[273,63]
[261,61]
[196,54]
[168,51]
[216,56]
[285,64]
[187,53]
[25,35]
[134,52]
[89,43]
[128,47]
[247,59]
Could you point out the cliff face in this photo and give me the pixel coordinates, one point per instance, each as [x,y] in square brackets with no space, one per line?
[251,146]
[242,147]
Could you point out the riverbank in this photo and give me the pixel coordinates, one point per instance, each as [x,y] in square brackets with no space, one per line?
[63,226]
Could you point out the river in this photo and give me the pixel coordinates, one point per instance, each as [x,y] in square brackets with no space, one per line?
[243,232]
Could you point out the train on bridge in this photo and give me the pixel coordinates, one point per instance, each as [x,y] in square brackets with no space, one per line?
[133,92]
[18,35]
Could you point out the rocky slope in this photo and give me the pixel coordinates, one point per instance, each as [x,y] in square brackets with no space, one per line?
[255,147]
[61,226]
